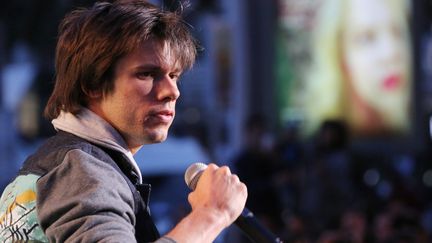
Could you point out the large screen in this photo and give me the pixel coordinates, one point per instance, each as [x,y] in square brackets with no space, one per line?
[346,60]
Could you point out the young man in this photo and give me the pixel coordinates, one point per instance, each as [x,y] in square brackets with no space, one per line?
[117,67]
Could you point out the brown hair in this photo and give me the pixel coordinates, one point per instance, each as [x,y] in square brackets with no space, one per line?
[92,40]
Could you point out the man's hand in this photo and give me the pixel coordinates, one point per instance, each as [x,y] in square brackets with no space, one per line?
[217,201]
[219,192]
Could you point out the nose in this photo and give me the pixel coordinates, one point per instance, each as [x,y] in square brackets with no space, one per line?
[167,89]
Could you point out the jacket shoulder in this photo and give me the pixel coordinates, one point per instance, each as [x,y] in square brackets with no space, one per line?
[52,152]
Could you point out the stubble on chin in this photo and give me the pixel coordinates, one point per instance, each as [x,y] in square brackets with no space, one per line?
[156,136]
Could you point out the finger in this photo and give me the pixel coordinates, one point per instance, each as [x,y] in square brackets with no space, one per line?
[212,166]
[225,170]
[244,189]
[235,178]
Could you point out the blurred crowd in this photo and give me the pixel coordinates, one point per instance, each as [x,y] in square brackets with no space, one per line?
[324,191]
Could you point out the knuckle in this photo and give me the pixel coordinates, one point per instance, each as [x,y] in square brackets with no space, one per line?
[225,169]
[212,166]
[244,188]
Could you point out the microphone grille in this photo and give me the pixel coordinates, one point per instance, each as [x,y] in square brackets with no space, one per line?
[193,174]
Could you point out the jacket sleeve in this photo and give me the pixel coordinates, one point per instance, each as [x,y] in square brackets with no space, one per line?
[85,200]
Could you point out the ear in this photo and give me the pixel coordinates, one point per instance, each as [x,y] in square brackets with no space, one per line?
[94,94]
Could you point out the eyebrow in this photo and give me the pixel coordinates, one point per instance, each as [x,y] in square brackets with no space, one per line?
[154,67]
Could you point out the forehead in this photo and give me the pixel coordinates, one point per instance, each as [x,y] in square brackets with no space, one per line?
[371,12]
[152,53]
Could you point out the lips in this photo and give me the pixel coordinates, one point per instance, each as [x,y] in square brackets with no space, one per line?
[164,116]
[391,82]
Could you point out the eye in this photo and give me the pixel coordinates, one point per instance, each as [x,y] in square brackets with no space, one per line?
[175,76]
[397,31]
[366,38]
[144,75]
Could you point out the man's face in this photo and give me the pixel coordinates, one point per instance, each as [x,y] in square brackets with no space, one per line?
[142,105]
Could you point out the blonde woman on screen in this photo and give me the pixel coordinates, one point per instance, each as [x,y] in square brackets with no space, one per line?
[361,66]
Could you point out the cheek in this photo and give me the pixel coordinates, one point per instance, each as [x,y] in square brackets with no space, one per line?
[139,91]
[361,73]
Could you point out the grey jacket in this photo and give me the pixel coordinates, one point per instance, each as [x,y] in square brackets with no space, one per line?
[87,185]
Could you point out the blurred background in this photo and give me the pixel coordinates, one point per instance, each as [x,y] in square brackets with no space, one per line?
[322,107]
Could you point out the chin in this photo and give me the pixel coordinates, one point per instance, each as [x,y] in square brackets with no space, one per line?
[159,140]
[156,137]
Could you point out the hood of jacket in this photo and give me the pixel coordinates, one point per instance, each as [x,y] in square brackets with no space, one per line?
[91,127]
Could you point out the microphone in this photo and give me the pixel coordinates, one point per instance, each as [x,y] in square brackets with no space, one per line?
[246,221]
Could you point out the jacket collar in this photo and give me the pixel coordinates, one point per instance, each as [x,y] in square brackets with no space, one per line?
[91,127]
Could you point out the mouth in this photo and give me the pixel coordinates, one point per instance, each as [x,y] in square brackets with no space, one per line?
[162,116]
[391,82]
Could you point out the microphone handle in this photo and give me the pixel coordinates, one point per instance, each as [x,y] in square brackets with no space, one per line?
[254,230]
